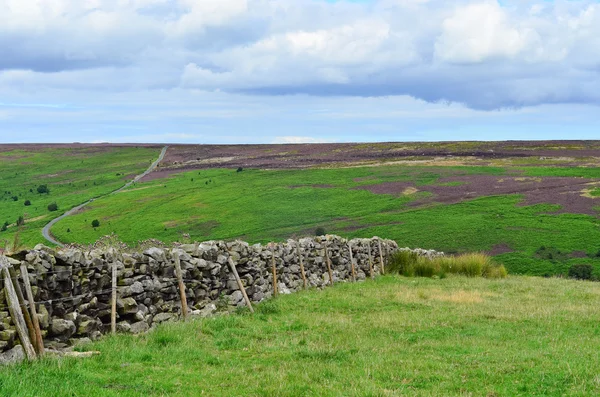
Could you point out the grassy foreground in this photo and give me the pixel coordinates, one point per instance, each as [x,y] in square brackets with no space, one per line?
[390,337]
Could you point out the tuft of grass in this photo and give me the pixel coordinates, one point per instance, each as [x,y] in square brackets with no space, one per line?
[409,264]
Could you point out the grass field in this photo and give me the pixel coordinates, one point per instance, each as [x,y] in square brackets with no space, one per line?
[263,205]
[393,336]
[72,176]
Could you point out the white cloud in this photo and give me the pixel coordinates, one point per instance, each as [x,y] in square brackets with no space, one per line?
[299,139]
[474,52]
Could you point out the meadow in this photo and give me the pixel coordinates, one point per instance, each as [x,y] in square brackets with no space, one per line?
[392,336]
[71,175]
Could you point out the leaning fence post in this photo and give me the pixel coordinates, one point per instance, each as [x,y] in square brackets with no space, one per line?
[274,270]
[370,260]
[352,262]
[328,262]
[36,323]
[301,264]
[113,302]
[184,306]
[240,284]
[21,298]
[15,311]
[381,257]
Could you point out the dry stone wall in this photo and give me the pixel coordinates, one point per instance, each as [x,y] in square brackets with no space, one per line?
[72,287]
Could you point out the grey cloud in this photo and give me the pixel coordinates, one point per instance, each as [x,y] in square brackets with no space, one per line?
[473,52]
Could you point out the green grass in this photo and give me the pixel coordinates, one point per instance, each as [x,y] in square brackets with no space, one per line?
[260,206]
[72,175]
[393,336]
[595,192]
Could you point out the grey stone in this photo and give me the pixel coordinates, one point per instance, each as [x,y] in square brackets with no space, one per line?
[13,356]
[236,297]
[61,327]
[139,327]
[162,317]
[127,306]
[123,326]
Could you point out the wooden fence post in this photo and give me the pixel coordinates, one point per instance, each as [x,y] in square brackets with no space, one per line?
[301,265]
[21,298]
[352,261]
[381,257]
[370,260]
[113,303]
[274,271]
[328,262]
[240,284]
[39,345]
[15,311]
[184,306]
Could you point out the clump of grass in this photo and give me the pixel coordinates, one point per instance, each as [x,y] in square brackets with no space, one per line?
[403,262]
[409,264]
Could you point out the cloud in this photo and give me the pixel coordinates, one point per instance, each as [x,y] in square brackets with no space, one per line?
[299,139]
[481,53]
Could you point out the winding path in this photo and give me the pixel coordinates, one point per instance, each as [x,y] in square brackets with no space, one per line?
[46,229]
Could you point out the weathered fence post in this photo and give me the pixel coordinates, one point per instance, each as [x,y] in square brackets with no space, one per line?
[352,261]
[21,298]
[301,265]
[15,311]
[370,260]
[113,302]
[39,345]
[240,284]
[184,306]
[381,257]
[274,271]
[328,262]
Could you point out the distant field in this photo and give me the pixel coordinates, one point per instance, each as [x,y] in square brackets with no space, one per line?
[534,205]
[389,337]
[73,174]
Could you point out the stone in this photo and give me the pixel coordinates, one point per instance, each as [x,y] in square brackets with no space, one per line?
[208,310]
[162,317]
[236,297]
[127,306]
[87,327]
[8,335]
[137,288]
[61,327]
[123,326]
[156,253]
[13,356]
[139,327]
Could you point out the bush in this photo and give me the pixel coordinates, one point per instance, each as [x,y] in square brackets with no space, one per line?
[52,207]
[43,189]
[425,267]
[408,263]
[581,271]
[15,198]
[27,203]
[95,223]
[320,231]
[4,227]
[20,221]
[240,169]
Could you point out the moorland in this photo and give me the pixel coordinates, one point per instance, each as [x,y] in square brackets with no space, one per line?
[535,206]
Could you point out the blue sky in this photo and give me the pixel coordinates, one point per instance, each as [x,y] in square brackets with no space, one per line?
[276,71]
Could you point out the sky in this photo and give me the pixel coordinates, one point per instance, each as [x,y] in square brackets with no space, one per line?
[296,71]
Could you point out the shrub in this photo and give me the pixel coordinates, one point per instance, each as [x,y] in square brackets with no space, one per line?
[43,189]
[20,221]
[240,169]
[4,227]
[424,267]
[95,223]
[320,231]
[27,203]
[15,198]
[582,271]
[52,207]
